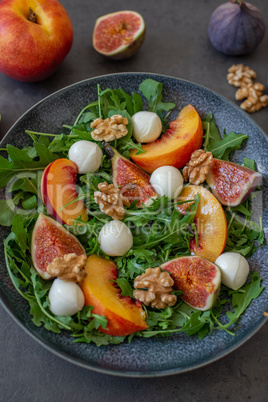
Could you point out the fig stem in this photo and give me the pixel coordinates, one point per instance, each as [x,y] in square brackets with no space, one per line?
[32,16]
[108,149]
[238,2]
[99,101]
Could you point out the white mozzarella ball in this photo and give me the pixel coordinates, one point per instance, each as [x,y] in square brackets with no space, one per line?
[115,238]
[167,180]
[147,126]
[234,269]
[65,298]
[87,155]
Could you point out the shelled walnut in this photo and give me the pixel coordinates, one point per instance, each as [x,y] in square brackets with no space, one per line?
[241,76]
[198,166]
[109,129]
[154,287]
[69,267]
[110,200]
[255,100]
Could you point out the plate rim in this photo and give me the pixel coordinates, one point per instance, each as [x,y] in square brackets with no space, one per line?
[75,360]
[129,374]
[246,115]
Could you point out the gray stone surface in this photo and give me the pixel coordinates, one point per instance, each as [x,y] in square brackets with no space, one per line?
[176,44]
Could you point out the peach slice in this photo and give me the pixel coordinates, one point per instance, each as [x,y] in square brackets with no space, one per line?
[58,189]
[175,146]
[124,315]
[210,221]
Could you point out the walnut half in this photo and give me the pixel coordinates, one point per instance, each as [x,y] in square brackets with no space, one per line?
[242,76]
[110,200]
[69,267]
[154,287]
[255,100]
[109,129]
[198,166]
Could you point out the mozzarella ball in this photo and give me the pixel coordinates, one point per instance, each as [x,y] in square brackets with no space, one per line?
[87,155]
[115,238]
[234,269]
[147,126]
[65,298]
[167,180]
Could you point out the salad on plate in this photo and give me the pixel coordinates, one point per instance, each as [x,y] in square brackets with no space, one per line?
[128,224]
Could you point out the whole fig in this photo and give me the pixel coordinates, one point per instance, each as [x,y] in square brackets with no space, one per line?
[236,28]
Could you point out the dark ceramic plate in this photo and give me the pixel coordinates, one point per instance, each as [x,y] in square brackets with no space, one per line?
[146,357]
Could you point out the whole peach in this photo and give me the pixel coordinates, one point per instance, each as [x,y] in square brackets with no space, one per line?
[35,37]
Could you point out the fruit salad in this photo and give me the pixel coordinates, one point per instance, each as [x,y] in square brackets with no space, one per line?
[137,226]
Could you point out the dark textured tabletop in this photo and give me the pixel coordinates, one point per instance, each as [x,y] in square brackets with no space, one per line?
[176,44]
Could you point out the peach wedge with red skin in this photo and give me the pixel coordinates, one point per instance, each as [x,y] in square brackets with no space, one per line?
[210,221]
[124,315]
[198,278]
[175,146]
[35,37]
[231,183]
[58,190]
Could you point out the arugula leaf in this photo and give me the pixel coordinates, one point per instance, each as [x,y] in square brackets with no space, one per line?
[221,149]
[173,231]
[29,202]
[99,321]
[220,146]
[137,102]
[20,232]
[7,212]
[241,299]
[44,153]
[125,287]
[20,161]
[152,91]
[244,235]
[211,132]
[250,163]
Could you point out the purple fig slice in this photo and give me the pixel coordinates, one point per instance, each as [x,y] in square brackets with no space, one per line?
[119,35]
[50,240]
[133,182]
[231,183]
[197,277]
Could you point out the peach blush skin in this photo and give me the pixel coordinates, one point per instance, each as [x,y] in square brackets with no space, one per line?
[175,146]
[32,51]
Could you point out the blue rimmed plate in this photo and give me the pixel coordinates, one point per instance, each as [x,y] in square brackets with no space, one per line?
[155,356]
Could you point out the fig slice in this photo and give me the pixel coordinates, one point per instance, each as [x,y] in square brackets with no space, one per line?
[231,183]
[133,182]
[119,35]
[197,277]
[50,240]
